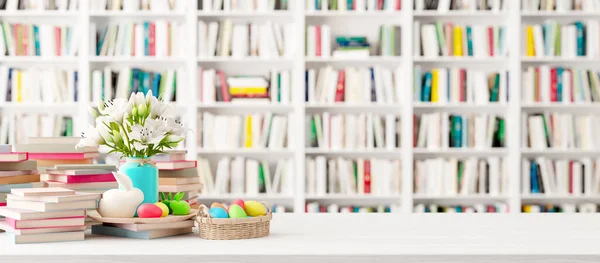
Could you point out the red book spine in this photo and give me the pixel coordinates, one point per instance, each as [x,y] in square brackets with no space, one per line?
[553,85]
[572,92]
[322,209]
[353,5]
[151,40]
[133,42]
[463,86]
[379,4]
[169,40]
[398,5]
[339,90]
[3,204]
[57,40]
[571,177]
[491,40]
[251,96]
[367,177]
[449,42]
[537,85]
[491,209]
[224,88]
[79,179]
[15,32]
[318,38]
[25,30]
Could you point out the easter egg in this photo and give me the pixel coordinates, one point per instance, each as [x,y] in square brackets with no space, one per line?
[236,211]
[165,209]
[149,211]
[217,204]
[254,208]
[217,212]
[239,202]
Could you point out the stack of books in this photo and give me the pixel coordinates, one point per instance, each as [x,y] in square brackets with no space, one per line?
[442,130]
[137,5]
[559,84]
[35,215]
[354,5]
[256,131]
[447,5]
[215,86]
[560,131]
[318,43]
[13,5]
[561,208]
[38,85]
[561,177]
[351,47]
[95,178]
[560,5]
[178,175]
[247,176]
[269,40]
[552,39]
[447,39]
[50,151]
[477,208]
[17,127]
[159,38]
[109,84]
[38,40]
[316,207]
[233,5]
[16,171]
[145,231]
[454,85]
[378,177]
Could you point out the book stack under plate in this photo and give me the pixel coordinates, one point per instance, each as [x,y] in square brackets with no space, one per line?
[145,231]
[38,215]
[178,175]
[50,151]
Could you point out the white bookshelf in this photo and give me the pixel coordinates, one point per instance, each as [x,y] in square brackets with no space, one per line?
[341,22]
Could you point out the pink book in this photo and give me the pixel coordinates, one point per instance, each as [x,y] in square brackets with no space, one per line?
[3,204]
[45,223]
[77,179]
[63,156]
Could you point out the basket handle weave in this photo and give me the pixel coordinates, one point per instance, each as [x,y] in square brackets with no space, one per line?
[267,206]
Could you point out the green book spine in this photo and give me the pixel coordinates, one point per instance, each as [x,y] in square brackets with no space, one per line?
[355,169]
[334,5]
[19,40]
[557,46]
[174,93]
[313,133]
[69,127]
[500,133]
[495,89]
[461,169]
[546,131]
[439,28]
[161,87]
[131,77]
[261,179]
[318,127]
[278,87]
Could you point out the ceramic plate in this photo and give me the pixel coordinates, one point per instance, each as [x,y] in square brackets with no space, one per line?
[136,220]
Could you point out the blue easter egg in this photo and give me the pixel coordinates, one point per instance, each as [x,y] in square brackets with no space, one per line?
[217,212]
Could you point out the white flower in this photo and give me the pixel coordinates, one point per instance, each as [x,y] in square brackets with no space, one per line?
[152,132]
[137,99]
[174,138]
[115,109]
[103,127]
[173,126]
[139,147]
[90,137]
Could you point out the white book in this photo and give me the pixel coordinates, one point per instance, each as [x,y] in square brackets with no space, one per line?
[3,86]
[238,177]
[222,176]
[286,82]
[256,124]
[312,81]
[433,131]
[321,173]
[202,39]
[388,86]
[479,41]
[390,131]
[431,48]
[208,86]
[252,177]
[311,176]
[538,41]
[161,39]
[289,40]
[545,83]
[567,88]
[443,6]
[379,89]
[417,38]
[442,85]
[445,140]
[325,40]
[370,132]
[213,31]
[277,177]
[587,176]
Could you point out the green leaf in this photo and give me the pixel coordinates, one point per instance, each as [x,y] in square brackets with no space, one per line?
[114,126]
[162,196]
[170,196]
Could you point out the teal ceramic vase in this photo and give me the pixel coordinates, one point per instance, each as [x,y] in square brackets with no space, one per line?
[144,176]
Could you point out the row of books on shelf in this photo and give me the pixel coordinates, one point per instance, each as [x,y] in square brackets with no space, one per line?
[318,43]
[380,177]
[442,130]
[447,39]
[110,83]
[560,131]
[239,40]
[560,84]
[249,176]
[215,86]
[353,5]
[477,208]
[561,177]
[552,39]
[354,85]
[560,5]
[562,208]
[38,85]
[450,177]
[18,39]
[452,5]
[255,131]
[16,128]
[158,38]
[138,5]
[353,131]
[237,5]
[316,207]
[39,5]
[442,85]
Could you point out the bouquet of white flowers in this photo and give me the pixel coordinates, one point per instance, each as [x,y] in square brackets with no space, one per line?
[141,127]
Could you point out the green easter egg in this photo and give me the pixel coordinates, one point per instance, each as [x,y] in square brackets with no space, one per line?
[254,208]
[236,211]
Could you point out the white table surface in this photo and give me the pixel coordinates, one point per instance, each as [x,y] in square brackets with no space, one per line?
[352,237]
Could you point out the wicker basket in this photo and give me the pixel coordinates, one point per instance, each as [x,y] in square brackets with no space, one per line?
[232,228]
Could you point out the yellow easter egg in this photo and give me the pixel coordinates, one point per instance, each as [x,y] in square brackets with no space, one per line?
[254,208]
[164,208]
[217,204]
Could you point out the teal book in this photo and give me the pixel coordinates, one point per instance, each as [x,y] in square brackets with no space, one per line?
[102,39]
[36,37]
[559,84]
[156,84]
[426,95]
[150,234]
[146,38]
[546,30]
[495,88]
[470,41]
[145,82]
[5,188]
[501,39]
[350,6]
[580,38]
[417,85]
[456,131]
